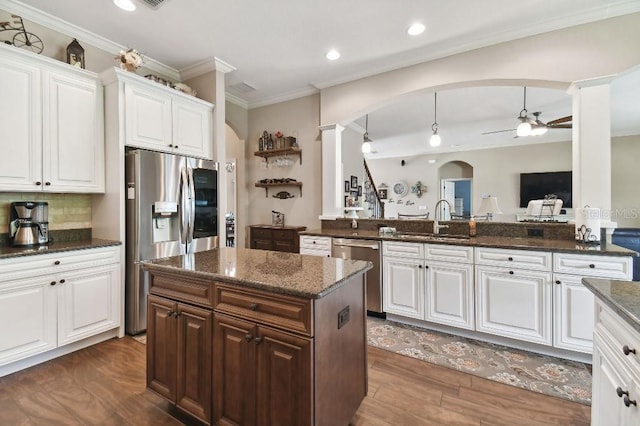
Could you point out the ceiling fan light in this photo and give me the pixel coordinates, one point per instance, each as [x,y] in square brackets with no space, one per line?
[523,129]
[435,139]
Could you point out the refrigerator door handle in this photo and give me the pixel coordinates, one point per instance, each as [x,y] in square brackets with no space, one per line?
[184,208]
[192,206]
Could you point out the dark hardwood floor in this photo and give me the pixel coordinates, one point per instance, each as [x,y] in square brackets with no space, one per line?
[105,385]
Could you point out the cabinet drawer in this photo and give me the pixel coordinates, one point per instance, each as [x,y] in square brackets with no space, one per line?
[617,267]
[283,234]
[448,253]
[30,266]
[520,259]
[261,233]
[178,287]
[618,334]
[284,312]
[315,243]
[407,250]
[315,252]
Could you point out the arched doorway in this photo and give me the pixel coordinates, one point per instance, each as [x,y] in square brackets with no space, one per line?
[456,179]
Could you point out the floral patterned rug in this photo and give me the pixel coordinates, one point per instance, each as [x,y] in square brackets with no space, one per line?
[540,373]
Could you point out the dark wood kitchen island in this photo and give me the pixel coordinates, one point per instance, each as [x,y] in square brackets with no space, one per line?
[255,337]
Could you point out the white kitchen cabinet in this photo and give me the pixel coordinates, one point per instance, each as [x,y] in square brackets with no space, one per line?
[51,300]
[27,318]
[432,282]
[403,286]
[574,303]
[315,245]
[164,119]
[512,302]
[52,120]
[449,294]
[616,371]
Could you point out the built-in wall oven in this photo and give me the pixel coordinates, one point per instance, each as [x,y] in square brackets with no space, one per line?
[347,248]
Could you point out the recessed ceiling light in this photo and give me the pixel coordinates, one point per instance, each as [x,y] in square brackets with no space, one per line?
[332,55]
[416,29]
[125,5]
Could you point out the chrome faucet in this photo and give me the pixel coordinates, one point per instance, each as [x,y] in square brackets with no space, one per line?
[436,225]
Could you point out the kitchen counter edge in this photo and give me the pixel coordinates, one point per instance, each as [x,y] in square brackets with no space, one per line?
[538,244]
[8,252]
[623,297]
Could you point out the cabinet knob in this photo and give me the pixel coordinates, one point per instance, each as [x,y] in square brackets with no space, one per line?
[38,183]
[253,306]
[420,266]
[170,145]
[52,283]
[628,402]
[592,266]
[62,281]
[314,242]
[258,340]
[47,183]
[510,272]
[426,266]
[558,282]
[510,258]
[170,314]
[176,146]
[621,392]
[57,262]
[627,350]
[248,337]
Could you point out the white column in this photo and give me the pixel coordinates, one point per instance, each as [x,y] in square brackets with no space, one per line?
[332,181]
[591,147]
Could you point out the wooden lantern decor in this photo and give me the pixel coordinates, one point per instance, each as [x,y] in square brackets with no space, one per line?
[75,54]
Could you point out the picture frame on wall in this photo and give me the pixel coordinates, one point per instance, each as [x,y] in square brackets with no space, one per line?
[354,182]
[346,201]
[359,190]
[347,186]
[383,194]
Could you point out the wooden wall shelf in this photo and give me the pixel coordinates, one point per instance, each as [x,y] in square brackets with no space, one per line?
[279,152]
[266,186]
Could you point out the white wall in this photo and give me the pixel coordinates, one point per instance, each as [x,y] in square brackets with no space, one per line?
[298,118]
[625,181]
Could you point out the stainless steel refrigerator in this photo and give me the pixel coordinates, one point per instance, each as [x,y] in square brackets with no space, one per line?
[171,209]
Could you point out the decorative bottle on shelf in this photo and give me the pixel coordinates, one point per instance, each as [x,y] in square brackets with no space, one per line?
[261,144]
[270,142]
[472,227]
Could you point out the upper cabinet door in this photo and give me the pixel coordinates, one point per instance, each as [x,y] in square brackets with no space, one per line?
[147,118]
[20,121]
[192,122]
[73,137]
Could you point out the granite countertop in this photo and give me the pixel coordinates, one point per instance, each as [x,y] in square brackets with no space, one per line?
[621,296]
[287,273]
[533,243]
[7,252]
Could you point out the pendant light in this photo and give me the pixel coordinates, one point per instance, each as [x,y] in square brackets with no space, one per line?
[435,139]
[524,128]
[366,142]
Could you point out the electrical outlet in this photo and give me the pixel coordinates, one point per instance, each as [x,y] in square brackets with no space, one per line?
[535,232]
[343,317]
[422,207]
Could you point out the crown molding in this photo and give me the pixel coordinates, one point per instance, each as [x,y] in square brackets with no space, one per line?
[223,66]
[236,100]
[205,66]
[289,96]
[591,82]
[337,127]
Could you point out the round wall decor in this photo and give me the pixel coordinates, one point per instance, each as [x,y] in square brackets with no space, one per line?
[401,188]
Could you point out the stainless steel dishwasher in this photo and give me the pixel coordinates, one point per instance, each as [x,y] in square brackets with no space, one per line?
[347,248]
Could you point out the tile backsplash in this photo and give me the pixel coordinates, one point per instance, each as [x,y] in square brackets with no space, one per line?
[66,211]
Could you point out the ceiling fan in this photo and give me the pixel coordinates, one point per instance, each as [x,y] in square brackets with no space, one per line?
[534,126]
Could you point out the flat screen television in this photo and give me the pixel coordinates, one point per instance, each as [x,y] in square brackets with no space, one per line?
[534,186]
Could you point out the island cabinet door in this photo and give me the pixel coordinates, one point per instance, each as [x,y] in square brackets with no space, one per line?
[284,379]
[234,371]
[161,347]
[194,347]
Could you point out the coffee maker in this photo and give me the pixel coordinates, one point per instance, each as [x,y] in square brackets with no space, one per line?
[29,223]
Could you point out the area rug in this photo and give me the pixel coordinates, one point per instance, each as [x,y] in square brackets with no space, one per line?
[142,338]
[539,373]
